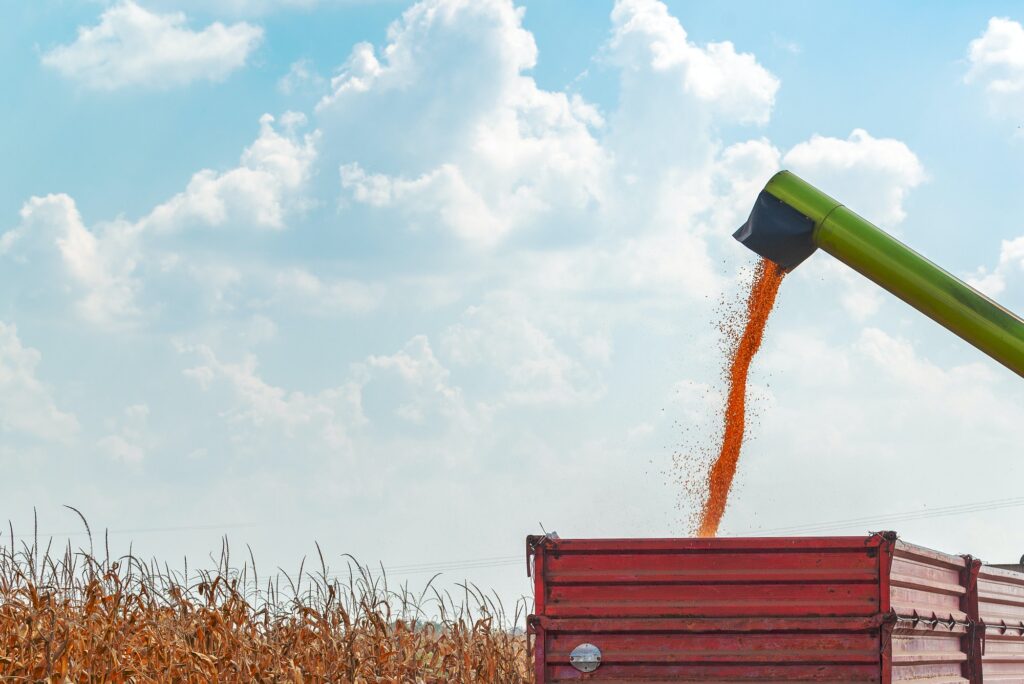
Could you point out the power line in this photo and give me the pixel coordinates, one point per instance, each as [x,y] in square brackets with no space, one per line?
[439,568]
[425,567]
[142,530]
[906,516]
[505,561]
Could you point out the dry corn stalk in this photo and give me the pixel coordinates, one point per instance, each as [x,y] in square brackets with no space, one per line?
[77,618]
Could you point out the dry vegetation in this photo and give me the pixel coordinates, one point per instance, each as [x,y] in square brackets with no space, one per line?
[79,617]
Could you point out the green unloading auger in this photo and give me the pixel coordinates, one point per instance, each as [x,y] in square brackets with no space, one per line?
[791,219]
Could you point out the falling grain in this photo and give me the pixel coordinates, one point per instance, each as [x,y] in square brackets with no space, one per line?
[760,301]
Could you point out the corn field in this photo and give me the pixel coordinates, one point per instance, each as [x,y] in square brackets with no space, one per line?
[77,616]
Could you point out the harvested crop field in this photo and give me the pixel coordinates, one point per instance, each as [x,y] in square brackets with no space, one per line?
[80,616]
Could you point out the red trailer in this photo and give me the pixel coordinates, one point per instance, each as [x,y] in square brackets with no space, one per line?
[815,609]
[1000,616]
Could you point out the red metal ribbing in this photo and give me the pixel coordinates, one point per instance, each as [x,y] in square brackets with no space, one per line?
[975,640]
[886,541]
[1001,612]
[540,654]
[717,600]
[535,547]
[930,640]
[886,544]
[725,610]
[719,544]
[538,546]
[703,625]
[927,584]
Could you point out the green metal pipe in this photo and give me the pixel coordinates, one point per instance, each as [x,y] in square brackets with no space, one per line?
[792,218]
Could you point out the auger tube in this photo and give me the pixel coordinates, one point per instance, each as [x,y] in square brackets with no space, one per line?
[791,219]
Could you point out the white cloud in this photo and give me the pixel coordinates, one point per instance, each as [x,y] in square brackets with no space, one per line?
[535,367]
[789,46]
[385,398]
[259,7]
[647,39]
[107,268]
[100,266]
[130,440]
[325,297]
[507,159]
[852,411]
[666,242]
[872,176]
[1008,268]
[325,417]
[552,350]
[441,194]
[256,194]
[862,299]
[121,450]
[738,174]
[26,405]
[243,7]
[301,76]
[997,62]
[132,46]
[674,94]
[427,393]
[495,158]
[969,392]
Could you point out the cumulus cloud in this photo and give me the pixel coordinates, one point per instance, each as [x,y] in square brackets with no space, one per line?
[997,62]
[877,403]
[384,398]
[99,266]
[602,240]
[427,393]
[256,194]
[326,297]
[130,440]
[647,39]
[442,194]
[1008,268]
[1006,279]
[535,367]
[132,46]
[254,7]
[674,93]
[638,197]
[872,175]
[667,243]
[106,267]
[970,392]
[26,404]
[478,147]
[301,76]
[326,416]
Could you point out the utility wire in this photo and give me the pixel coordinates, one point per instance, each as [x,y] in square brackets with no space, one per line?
[142,530]
[505,561]
[906,516]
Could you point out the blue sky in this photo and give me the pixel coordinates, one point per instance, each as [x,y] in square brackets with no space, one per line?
[410,278]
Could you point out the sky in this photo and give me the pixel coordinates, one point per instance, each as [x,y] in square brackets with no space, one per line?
[415,280]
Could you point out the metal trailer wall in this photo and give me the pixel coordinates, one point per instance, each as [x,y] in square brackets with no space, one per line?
[931,638]
[1000,612]
[823,609]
